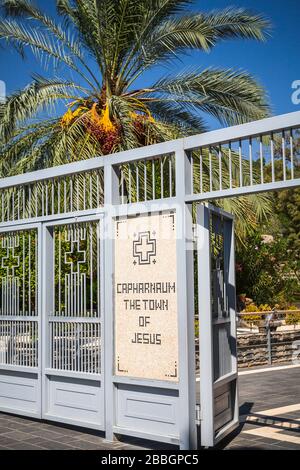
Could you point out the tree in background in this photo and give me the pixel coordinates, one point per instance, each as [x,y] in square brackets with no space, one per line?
[270,272]
[265,271]
[122,40]
[95,52]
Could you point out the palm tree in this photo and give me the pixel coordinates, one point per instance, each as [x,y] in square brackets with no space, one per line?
[98,50]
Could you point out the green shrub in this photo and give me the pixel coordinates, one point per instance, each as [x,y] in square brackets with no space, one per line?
[292,318]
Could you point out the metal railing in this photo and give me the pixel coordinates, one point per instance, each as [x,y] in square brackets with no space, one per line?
[249,158]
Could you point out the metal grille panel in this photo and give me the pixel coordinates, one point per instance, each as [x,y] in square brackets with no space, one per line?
[82,191]
[147,180]
[266,158]
[75,346]
[74,323]
[19,343]
[18,298]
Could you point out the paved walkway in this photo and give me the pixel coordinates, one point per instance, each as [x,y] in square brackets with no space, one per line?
[269,409]
[270,415]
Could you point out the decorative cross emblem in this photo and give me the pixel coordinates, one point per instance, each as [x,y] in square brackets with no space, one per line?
[10,261]
[144,248]
[75,257]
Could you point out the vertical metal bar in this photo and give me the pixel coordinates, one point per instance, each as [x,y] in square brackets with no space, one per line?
[122,184]
[220,167]
[283,156]
[130,186]
[230,165]
[71,193]
[137,182]
[145,180]
[272,158]
[250,161]
[24,202]
[153,178]
[192,173]
[261,160]
[36,200]
[210,170]
[58,196]
[65,194]
[91,268]
[161,178]
[292,153]
[240,163]
[98,189]
[52,198]
[2,205]
[46,197]
[170,177]
[91,190]
[77,192]
[58,234]
[201,171]
[23,273]
[29,273]
[84,191]
[18,203]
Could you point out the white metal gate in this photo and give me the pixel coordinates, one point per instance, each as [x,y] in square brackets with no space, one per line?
[73,389]
[51,363]
[217,324]
[20,320]
[53,293]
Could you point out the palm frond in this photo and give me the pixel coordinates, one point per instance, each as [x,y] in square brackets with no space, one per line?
[230,96]
[40,94]
[238,23]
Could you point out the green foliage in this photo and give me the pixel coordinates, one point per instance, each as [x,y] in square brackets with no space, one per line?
[263,271]
[292,318]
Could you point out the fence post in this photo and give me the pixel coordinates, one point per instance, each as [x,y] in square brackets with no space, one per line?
[111,191]
[185,282]
[269,344]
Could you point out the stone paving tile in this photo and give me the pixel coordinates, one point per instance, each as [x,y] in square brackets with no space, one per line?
[7,441]
[84,445]
[48,434]
[17,435]
[24,446]
[54,445]
[68,439]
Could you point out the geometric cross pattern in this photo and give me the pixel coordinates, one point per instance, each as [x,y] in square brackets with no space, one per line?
[144,248]
[75,257]
[10,261]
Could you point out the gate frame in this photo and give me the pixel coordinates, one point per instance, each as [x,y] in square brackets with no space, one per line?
[183,200]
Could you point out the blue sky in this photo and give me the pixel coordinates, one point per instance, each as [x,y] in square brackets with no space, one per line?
[276,63]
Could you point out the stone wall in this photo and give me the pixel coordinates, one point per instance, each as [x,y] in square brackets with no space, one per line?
[253,349]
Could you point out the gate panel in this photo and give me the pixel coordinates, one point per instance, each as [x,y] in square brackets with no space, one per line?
[217,324]
[19,322]
[73,366]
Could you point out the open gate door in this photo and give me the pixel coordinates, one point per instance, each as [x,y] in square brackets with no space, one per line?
[217,324]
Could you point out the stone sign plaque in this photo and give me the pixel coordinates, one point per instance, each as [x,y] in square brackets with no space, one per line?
[146,329]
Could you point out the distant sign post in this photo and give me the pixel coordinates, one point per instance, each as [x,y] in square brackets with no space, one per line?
[146,329]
